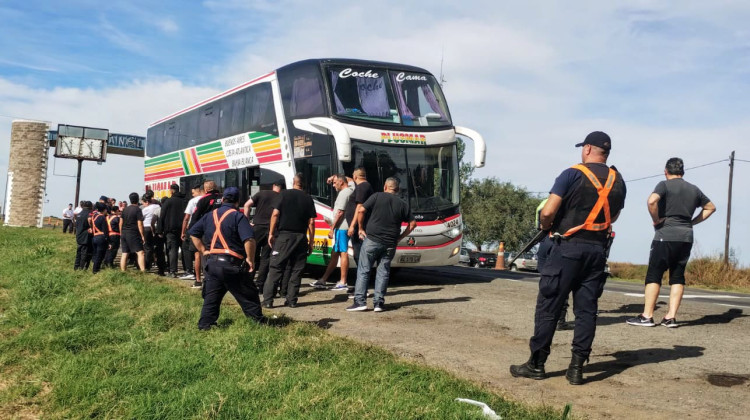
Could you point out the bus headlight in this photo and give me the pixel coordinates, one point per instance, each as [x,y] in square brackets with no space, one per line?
[453,232]
[454,252]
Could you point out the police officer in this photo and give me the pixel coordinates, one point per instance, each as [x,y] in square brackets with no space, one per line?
[583,203]
[100,233]
[113,224]
[83,237]
[225,237]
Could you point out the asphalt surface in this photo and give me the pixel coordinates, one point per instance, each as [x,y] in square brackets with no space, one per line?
[460,274]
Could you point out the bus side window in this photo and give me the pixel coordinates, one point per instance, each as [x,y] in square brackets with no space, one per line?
[231,115]
[208,124]
[260,114]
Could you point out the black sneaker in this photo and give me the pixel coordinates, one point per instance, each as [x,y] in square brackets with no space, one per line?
[197,285]
[669,323]
[641,321]
[379,307]
[356,308]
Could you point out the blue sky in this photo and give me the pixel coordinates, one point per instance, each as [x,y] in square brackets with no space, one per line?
[662,78]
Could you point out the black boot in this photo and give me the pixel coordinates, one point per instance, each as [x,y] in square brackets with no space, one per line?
[533,369]
[575,369]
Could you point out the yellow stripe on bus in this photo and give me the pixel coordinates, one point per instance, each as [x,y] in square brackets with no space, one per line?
[211,157]
[163,167]
[265,146]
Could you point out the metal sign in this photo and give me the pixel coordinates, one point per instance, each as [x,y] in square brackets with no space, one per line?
[83,143]
[117,144]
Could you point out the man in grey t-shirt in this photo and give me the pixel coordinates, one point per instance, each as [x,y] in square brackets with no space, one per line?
[339,234]
[671,206]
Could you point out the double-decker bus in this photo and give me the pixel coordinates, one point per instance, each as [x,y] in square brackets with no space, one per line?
[321,117]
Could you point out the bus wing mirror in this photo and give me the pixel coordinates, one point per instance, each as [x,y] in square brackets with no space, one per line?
[480,148]
[329,126]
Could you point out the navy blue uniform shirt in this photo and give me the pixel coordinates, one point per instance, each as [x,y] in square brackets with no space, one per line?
[235,228]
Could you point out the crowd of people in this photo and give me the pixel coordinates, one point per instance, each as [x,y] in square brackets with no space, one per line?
[222,249]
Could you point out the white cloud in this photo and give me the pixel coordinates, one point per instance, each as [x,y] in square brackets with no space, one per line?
[167,25]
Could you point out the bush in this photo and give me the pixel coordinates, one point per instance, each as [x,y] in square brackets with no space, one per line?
[701,271]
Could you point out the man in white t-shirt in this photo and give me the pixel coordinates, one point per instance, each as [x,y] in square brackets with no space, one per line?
[339,234]
[67,215]
[188,251]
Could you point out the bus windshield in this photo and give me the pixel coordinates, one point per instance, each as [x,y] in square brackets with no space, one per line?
[428,175]
[388,96]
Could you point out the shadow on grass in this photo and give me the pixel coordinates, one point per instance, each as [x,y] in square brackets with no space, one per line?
[629,358]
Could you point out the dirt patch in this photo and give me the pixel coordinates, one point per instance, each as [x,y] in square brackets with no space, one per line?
[476,325]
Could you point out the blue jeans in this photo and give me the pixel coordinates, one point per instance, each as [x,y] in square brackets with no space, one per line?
[371,253]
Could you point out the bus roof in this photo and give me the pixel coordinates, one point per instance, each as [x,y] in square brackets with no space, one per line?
[314,61]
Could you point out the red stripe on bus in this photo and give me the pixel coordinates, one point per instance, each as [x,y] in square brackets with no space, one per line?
[270,158]
[215,166]
[269,152]
[166,174]
[402,248]
[197,162]
[435,222]
[212,98]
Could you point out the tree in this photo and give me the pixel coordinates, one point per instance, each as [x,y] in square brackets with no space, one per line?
[465,169]
[498,211]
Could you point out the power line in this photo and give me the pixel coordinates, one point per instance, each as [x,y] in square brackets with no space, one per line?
[741,160]
[687,169]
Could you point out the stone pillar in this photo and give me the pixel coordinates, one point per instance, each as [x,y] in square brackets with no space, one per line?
[28,166]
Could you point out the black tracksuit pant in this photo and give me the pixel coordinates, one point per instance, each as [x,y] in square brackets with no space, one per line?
[289,248]
[188,256]
[161,263]
[68,225]
[571,266]
[114,246]
[262,255]
[221,277]
[173,245]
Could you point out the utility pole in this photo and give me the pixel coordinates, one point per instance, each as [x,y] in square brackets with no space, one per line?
[729,209]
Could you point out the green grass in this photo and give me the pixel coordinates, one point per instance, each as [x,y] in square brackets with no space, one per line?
[126,345]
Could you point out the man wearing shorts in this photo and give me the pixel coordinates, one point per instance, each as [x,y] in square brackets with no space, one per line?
[131,233]
[671,206]
[188,249]
[339,234]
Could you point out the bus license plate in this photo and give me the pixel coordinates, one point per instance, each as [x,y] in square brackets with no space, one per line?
[410,258]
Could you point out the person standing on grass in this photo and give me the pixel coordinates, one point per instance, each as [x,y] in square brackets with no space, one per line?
[290,237]
[380,236]
[229,260]
[189,253]
[172,214]
[671,206]
[100,233]
[209,201]
[113,224]
[582,205]
[150,241]
[339,233]
[131,233]
[264,202]
[68,219]
[83,238]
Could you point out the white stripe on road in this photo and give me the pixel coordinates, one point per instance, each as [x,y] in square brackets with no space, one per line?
[733,306]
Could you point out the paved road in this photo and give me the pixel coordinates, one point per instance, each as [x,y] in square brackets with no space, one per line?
[459,274]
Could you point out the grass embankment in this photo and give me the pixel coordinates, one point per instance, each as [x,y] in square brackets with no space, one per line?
[125,345]
[705,272]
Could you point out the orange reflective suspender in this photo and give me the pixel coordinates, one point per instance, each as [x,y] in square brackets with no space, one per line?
[601,202]
[96,231]
[109,225]
[220,237]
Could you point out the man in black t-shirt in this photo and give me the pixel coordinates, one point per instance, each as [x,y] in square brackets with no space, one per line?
[83,238]
[131,233]
[264,202]
[671,207]
[362,191]
[210,201]
[380,234]
[290,237]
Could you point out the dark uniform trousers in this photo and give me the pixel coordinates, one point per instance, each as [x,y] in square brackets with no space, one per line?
[262,255]
[114,246]
[68,225]
[289,248]
[148,246]
[571,266]
[161,262]
[222,276]
[83,256]
[188,256]
[100,244]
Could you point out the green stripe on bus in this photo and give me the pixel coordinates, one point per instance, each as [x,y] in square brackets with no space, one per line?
[162,159]
[185,165]
[208,147]
[211,150]
[258,137]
